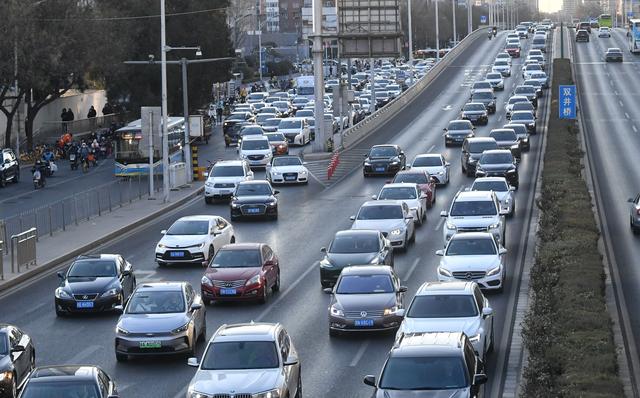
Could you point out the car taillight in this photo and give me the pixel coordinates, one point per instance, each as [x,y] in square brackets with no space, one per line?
[638,212]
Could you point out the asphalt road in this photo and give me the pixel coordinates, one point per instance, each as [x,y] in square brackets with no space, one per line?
[308,220]
[608,94]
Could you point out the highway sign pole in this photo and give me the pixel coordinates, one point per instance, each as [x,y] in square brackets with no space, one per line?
[165,117]
[410,41]
[318,72]
[469,17]
[187,127]
[437,34]
[453,17]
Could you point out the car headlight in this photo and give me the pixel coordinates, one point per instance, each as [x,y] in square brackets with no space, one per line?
[494,226]
[335,311]
[111,292]
[195,394]
[367,163]
[5,375]
[494,271]
[244,156]
[440,173]
[206,281]
[376,260]
[61,293]
[208,184]
[451,226]
[396,232]
[532,124]
[444,272]
[326,263]
[255,280]
[391,311]
[474,339]
[181,329]
[121,330]
[161,246]
[272,203]
[303,172]
[235,205]
[276,173]
[267,394]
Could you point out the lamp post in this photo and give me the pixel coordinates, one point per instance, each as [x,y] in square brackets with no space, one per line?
[410,43]
[453,7]
[469,16]
[165,116]
[259,34]
[437,34]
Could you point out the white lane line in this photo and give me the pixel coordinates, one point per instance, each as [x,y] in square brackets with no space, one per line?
[360,353]
[617,93]
[413,268]
[182,393]
[284,294]
[439,224]
[431,149]
[611,82]
[634,128]
[499,117]
[627,115]
[83,355]
[35,309]
[620,102]
[146,275]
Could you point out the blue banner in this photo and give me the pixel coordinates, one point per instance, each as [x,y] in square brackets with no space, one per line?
[567,103]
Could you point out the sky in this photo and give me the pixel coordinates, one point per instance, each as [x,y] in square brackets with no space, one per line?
[550,5]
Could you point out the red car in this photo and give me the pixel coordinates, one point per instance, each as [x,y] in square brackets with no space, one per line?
[513,50]
[240,272]
[426,183]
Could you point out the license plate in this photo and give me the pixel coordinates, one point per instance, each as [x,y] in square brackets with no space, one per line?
[226,192]
[72,157]
[227,292]
[253,211]
[380,169]
[176,254]
[150,344]
[364,322]
[84,304]
[290,178]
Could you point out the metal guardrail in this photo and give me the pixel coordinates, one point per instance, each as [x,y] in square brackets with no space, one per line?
[23,250]
[54,129]
[1,261]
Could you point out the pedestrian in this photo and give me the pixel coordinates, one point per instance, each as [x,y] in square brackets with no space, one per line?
[63,115]
[107,109]
[92,112]
[70,115]
[219,111]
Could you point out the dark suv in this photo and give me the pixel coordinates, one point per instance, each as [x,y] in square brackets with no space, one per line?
[472,149]
[582,35]
[9,168]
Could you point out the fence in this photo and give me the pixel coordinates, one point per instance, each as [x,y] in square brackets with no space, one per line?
[1,260]
[23,250]
[52,130]
[79,207]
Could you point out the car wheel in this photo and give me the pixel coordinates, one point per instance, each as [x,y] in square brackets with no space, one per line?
[490,349]
[325,284]
[16,177]
[233,239]
[14,387]
[203,332]
[211,253]
[2,181]
[194,344]
[413,237]
[462,169]
[265,295]
[276,286]
[59,313]
[274,217]
[121,357]
[207,200]
[333,333]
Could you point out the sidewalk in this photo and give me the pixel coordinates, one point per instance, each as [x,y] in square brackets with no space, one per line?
[63,246]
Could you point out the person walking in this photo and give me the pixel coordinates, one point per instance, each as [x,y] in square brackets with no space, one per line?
[219,111]
[107,109]
[92,112]
[63,118]
[70,115]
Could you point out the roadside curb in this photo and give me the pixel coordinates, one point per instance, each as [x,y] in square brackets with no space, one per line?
[104,239]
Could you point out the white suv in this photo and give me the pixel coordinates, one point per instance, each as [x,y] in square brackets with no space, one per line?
[474,211]
[223,178]
[256,150]
[451,307]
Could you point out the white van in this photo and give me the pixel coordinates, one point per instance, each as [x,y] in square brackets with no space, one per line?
[256,150]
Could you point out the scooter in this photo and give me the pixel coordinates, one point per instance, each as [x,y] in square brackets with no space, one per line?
[38,181]
[73,161]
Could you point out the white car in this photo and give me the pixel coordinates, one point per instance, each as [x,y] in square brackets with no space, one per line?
[474,212]
[391,217]
[512,101]
[512,36]
[540,77]
[435,164]
[296,129]
[409,194]
[501,188]
[287,170]
[536,52]
[481,85]
[256,150]
[194,240]
[223,177]
[604,32]
[503,67]
[496,80]
[473,256]
[504,56]
[451,307]
[530,69]
[538,58]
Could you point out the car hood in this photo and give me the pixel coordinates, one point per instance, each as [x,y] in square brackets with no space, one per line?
[470,263]
[231,273]
[182,240]
[365,302]
[381,159]
[457,393]
[380,225]
[287,169]
[235,381]
[496,166]
[469,326]
[347,259]
[234,179]
[459,132]
[88,284]
[473,112]
[252,199]
[152,323]
[473,221]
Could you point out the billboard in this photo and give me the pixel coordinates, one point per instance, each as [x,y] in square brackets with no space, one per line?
[369,28]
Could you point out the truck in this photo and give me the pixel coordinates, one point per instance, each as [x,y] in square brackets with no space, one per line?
[305,87]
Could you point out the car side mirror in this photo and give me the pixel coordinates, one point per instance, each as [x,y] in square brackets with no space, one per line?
[163,232]
[196,306]
[403,289]
[447,164]
[18,348]
[193,362]
[408,218]
[423,196]
[374,197]
[512,189]
[323,249]
[328,290]
[60,275]
[480,379]
[370,380]
[630,200]
[119,308]
[113,396]
[504,212]
[487,311]
[291,360]
[126,271]
[440,252]
[502,250]
[352,218]
[276,192]
[444,213]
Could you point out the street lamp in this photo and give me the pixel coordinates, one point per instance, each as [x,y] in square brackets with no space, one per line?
[259,34]
[410,44]
[437,33]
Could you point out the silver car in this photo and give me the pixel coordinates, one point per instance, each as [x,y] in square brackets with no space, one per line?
[255,360]
[474,212]
[409,194]
[160,318]
[391,217]
[501,188]
[634,218]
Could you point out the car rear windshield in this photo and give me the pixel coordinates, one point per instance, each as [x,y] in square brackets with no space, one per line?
[272,122]
[237,259]
[253,190]
[236,116]
[529,90]
[380,212]
[382,151]
[502,62]
[497,186]
[416,178]
[251,130]
[494,76]
[398,193]
[156,302]
[189,227]
[496,158]
[479,147]
[459,125]
[471,247]
[364,284]
[290,124]
[427,161]
[539,40]
[523,106]
[481,85]
[473,208]
[275,137]
[287,161]
[474,107]
[482,96]
[424,373]
[241,355]
[61,389]
[521,116]
[227,171]
[255,145]
[515,100]
[504,135]
[443,306]
[531,67]
[92,268]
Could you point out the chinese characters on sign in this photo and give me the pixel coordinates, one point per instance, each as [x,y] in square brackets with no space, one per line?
[567,102]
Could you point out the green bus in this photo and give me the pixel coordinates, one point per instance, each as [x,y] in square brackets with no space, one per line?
[605,20]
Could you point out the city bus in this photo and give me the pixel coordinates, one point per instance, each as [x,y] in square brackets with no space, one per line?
[605,20]
[634,35]
[131,148]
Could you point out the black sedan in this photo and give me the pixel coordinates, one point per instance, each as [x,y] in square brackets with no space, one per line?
[254,199]
[366,298]
[69,381]
[235,118]
[507,139]
[475,112]
[613,55]
[383,160]
[498,163]
[94,283]
[17,359]
[487,98]
[353,247]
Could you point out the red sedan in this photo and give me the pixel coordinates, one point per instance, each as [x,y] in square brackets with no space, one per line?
[426,183]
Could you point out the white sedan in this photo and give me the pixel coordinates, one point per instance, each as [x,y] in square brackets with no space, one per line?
[503,191]
[409,194]
[287,170]
[194,240]
[435,164]
[296,129]
[604,32]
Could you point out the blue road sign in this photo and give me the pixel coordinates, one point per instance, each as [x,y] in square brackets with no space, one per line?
[483,19]
[629,14]
[567,102]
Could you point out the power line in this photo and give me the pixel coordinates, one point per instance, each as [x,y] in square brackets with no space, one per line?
[176,14]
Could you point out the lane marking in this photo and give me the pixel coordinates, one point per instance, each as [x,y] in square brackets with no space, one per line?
[431,148]
[182,393]
[634,128]
[413,268]
[626,115]
[359,354]
[439,224]
[620,102]
[84,355]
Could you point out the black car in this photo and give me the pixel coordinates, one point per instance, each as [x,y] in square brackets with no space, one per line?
[366,298]
[613,55]
[353,247]
[234,118]
[17,359]
[487,98]
[472,149]
[254,199]
[9,168]
[525,117]
[95,283]
[69,381]
[528,91]
[507,139]
[582,35]
[475,112]
[498,163]
[522,132]
[383,160]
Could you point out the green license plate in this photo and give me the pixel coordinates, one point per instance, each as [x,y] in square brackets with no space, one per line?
[150,344]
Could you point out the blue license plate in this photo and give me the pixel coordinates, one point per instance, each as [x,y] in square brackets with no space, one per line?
[253,211]
[364,322]
[84,304]
[380,169]
[227,292]
[176,254]
[290,178]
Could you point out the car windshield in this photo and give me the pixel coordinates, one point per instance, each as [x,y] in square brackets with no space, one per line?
[251,130]
[92,268]
[500,135]
[471,247]
[496,158]
[538,40]
[539,76]
[191,227]
[244,258]
[459,125]
[514,100]
[416,178]
[241,355]
[521,116]
[473,208]
[382,151]
[481,85]
[501,62]
[423,373]
[364,284]
[479,147]
[263,117]
[287,161]
[427,161]
[359,243]
[290,124]
[227,171]
[269,109]
[520,129]
[236,116]
[156,302]
[272,122]
[494,76]
[61,389]
[497,186]
[532,67]
[523,106]
[398,193]
[380,212]
[253,190]
[4,346]
[525,90]
[474,107]
[255,145]
[443,306]
[482,96]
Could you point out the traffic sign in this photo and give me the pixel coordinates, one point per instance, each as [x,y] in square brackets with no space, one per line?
[629,14]
[567,102]
[483,19]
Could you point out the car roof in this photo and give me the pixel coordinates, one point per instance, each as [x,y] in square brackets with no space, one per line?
[496,151]
[372,232]
[400,185]
[472,235]
[229,162]
[163,286]
[254,182]
[521,112]
[367,270]
[428,155]
[242,246]
[385,146]
[254,137]
[470,196]
[483,90]
[64,372]
[474,103]
[480,139]
[197,218]
[490,179]
[252,331]
[454,287]
[428,344]
[502,130]
[97,257]
[382,202]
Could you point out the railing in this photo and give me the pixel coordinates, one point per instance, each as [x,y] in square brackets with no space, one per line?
[23,250]
[54,129]
[1,261]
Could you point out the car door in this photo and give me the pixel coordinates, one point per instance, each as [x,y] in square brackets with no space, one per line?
[635,205]
[20,358]
[290,372]
[195,315]
[268,265]
[126,277]
[481,302]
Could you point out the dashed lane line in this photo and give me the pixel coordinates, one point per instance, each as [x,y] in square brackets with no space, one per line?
[360,353]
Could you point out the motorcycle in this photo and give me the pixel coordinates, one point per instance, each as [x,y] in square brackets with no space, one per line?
[73,161]
[38,181]
[85,164]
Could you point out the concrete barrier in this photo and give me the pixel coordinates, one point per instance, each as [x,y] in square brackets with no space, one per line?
[365,128]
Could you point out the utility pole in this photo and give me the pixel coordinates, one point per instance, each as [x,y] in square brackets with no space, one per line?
[17,90]
[318,72]
[469,17]
[453,6]
[437,34]
[165,116]
[410,41]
